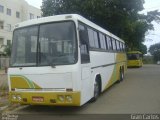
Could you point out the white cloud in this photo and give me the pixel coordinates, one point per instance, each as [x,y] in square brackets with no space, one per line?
[152,5]
[153,36]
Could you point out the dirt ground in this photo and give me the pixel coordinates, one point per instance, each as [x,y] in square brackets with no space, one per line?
[3,90]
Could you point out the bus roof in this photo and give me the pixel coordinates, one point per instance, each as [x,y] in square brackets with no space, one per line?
[65,17]
[134,52]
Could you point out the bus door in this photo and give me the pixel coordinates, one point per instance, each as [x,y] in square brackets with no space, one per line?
[85,61]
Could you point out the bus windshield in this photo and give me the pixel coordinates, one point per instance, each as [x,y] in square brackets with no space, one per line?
[44,45]
[133,56]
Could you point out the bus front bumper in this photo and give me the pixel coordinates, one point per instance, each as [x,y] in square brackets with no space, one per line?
[46,98]
[135,63]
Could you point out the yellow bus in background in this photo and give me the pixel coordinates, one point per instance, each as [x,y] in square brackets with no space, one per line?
[134,59]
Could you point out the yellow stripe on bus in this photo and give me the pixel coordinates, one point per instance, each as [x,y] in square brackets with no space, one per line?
[22,82]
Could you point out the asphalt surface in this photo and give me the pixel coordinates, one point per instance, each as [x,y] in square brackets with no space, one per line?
[138,93]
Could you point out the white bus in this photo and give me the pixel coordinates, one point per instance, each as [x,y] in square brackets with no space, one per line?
[63,60]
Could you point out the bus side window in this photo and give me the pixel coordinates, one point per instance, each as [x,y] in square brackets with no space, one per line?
[84,44]
[107,46]
[121,46]
[124,49]
[114,44]
[109,43]
[102,41]
[95,34]
[117,44]
[93,38]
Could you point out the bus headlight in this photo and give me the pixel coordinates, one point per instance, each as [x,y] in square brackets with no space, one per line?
[14,97]
[61,98]
[19,97]
[69,98]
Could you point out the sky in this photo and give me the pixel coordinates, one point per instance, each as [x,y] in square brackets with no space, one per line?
[152,37]
[35,3]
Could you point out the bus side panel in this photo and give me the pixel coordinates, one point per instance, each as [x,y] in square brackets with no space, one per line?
[86,83]
[120,63]
[102,63]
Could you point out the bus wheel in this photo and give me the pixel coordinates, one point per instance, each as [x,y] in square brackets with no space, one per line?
[121,75]
[96,91]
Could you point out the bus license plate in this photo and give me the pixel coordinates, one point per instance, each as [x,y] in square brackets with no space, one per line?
[38,99]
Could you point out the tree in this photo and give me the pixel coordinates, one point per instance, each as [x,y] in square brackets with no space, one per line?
[143,49]
[154,15]
[154,48]
[156,56]
[155,51]
[7,50]
[119,17]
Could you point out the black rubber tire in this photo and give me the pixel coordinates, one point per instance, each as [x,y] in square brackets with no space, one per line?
[96,91]
[121,75]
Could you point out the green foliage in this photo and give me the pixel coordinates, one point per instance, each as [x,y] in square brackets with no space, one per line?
[7,50]
[156,56]
[140,47]
[117,16]
[143,48]
[153,15]
[148,60]
[155,51]
[154,48]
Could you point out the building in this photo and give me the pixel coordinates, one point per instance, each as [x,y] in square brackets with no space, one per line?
[11,13]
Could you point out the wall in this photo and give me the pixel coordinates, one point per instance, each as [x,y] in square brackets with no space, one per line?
[20,6]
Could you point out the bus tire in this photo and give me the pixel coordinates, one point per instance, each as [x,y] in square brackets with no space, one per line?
[96,90]
[121,75]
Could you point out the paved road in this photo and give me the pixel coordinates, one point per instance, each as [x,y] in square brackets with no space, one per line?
[138,93]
